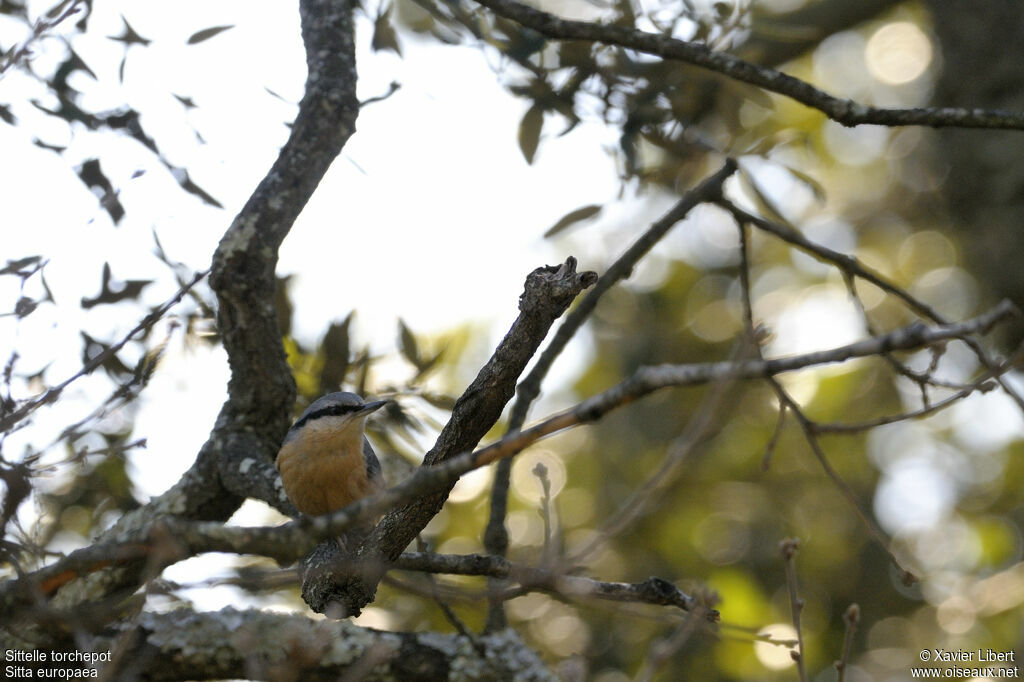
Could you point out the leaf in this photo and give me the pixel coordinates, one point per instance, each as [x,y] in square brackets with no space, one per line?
[407,344]
[17,267]
[69,66]
[93,177]
[335,350]
[182,176]
[49,147]
[439,400]
[573,217]
[362,363]
[206,34]
[129,36]
[765,205]
[25,306]
[529,132]
[144,368]
[115,293]
[384,36]
[427,365]
[812,184]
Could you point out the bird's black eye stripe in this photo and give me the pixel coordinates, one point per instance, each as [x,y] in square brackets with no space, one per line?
[329,411]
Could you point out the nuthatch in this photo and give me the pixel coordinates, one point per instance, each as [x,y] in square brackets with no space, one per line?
[326,462]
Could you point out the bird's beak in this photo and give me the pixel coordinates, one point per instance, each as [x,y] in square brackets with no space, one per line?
[371,407]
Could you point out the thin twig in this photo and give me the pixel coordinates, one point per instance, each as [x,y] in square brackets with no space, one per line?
[541,472]
[983,385]
[789,548]
[752,334]
[786,402]
[852,619]
[59,14]
[853,267]
[773,442]
[807,425]
[51,394]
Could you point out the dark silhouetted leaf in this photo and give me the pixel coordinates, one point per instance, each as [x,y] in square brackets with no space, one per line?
[186,101]
[93,177]
[49,147]
[69,66]
[6,115]
[131,122]
[129,36]
[362,363]
[335,349]
[46,288]
[573,217]
[523,44]
[182,176]
[427,365]
[18,267]
[384,36]
[117,292]
[206,34]
[25,306]
[407,344]
[439,400]
[529,132]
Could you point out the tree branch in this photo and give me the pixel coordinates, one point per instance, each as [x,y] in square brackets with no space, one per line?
[261,390]
[495,535]
[253,644]
[844,111]
[651,591]
[170,540]
[548,292]
[852,267]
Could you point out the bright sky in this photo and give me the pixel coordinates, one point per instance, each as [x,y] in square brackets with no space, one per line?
[422,217]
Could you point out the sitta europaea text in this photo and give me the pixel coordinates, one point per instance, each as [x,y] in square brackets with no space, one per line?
[326,463]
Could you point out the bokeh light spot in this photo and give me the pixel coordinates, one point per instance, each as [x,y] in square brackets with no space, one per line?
[898,53]
[772,655]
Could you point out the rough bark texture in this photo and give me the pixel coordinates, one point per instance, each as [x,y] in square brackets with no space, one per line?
[982,47]
[549,291]
[251,644]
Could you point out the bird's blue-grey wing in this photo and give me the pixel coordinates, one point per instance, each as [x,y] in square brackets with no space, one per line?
[373,470]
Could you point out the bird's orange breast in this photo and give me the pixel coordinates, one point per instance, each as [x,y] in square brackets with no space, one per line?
[323,472]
